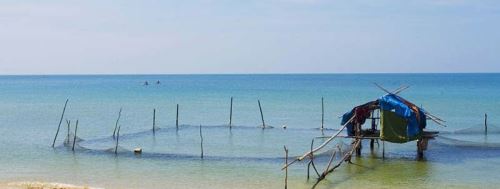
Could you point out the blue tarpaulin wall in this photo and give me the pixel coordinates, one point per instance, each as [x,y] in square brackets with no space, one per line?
[413,115]
[413,119]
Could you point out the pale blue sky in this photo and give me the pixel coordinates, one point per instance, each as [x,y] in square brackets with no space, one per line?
[249,36]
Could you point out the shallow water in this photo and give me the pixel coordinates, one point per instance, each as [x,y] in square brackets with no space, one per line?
[244,156]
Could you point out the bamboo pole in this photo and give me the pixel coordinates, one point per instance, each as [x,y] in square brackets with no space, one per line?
[286,169]
[201,143]
[261,115]
[177,118]
[322,113]
[327,169]
[372,141]
[330,162]
[231,114]
[358,135]
[60,121]
[116,123]
[312,158]
[346,157]
[68,122]
[117,139]
[74,137]
[322,145]
[485,124]
[308,169]
[154,120]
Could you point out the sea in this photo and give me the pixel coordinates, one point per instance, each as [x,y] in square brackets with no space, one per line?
[191,112]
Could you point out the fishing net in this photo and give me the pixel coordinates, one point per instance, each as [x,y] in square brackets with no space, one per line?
[479,129]
[257,144]
[219,142]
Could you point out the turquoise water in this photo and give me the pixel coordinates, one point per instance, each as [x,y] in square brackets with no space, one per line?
[245,156]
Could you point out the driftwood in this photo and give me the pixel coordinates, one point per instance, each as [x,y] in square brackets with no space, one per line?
[261,116]
[60,121]
[116,123]
[74,137]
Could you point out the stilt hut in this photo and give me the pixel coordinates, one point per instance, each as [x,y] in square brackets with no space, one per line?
[400,121]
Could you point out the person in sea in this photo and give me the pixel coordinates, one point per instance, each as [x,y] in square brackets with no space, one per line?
[158,82]
[146,83]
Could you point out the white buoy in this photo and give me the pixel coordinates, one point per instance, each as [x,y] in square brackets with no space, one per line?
[138,150]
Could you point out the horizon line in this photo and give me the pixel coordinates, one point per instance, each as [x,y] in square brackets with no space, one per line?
[270,73]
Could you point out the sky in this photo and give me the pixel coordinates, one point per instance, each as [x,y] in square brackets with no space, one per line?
[248,36]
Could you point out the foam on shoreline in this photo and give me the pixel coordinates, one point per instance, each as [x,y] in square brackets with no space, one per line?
[43,185]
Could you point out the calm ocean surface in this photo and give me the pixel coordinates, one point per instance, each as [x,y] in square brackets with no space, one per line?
[245,156]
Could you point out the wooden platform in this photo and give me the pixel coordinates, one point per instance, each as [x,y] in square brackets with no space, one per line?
[375,135]
[368,134]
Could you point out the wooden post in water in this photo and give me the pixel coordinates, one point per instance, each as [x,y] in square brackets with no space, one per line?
[231,114]
[322,113]
[154,120]
[74,137]
[358,136]
[286,169]
[117,139]
[261,115]
[177,118]
[60,121]
[201,143]
[68,122]
[117,120]
[485,124]
[372,141]
[420,149]
[383,149]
